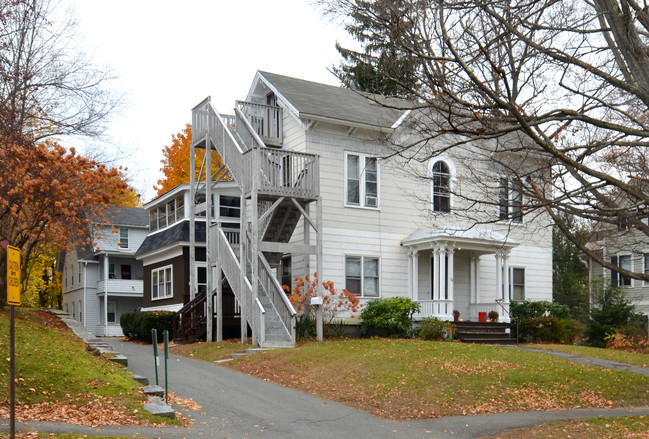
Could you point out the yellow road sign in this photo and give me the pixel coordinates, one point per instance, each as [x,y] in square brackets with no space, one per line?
[13,276]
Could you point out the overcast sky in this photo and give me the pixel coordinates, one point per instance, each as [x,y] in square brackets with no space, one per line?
[169,55]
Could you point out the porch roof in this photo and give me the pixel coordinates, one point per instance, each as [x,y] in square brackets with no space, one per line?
[472,238]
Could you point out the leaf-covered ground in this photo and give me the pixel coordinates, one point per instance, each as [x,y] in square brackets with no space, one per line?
[414,379]
[57,379]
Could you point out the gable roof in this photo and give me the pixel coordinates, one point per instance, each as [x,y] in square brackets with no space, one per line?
[127,216]
[313,100]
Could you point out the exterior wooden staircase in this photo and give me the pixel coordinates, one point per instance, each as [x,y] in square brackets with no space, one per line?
[276,187]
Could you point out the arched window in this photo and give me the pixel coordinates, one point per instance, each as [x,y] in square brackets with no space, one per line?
[441,176]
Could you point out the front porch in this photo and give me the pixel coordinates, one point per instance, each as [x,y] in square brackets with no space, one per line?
[453,269]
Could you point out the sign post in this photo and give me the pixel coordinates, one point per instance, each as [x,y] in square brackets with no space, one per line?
[13,299]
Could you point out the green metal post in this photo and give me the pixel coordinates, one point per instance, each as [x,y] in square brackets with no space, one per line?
[165,335]
[154,338]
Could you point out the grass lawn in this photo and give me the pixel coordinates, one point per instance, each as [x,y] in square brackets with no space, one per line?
[210,351]
[57,379]
[606,354]
[601,428]
[415,379]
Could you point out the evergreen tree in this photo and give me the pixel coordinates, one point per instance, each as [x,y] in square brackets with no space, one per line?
[570,285]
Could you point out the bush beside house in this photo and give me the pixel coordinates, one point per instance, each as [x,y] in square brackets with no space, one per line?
[138,325]
[392,315]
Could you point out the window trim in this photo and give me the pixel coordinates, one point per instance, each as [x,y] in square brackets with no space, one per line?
[510,215]
[617,275]
[362,274]
[156,271]
[123,241]
[511,283]
[108,321]
[451,183]
[362,182]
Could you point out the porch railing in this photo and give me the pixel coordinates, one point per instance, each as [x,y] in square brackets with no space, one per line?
[501,307]
[434,308]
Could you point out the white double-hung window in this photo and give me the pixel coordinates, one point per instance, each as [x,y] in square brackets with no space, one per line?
[161,282]
[362,275]
[361,180]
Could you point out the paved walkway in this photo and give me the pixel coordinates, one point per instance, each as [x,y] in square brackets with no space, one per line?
[590,360]
[235,405]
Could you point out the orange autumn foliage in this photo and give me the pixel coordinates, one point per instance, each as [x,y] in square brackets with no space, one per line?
[334,302]
[48,194]
[176,161]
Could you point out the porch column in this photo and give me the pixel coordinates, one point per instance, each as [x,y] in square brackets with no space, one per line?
[451,272]
[473,294]
[413,272]
[106,295]
[442,273]
[499,275]
[506,277]
[477,279]
[435,274]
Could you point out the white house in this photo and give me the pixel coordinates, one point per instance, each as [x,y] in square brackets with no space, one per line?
[626,247]
[101,283]
[319,192]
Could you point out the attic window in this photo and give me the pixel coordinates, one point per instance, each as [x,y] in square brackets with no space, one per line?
[123,237]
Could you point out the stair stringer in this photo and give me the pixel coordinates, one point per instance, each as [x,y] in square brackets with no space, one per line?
[260,312]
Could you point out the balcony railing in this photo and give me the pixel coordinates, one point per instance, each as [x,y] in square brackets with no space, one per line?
[266,121]
[121,287]
[269,171]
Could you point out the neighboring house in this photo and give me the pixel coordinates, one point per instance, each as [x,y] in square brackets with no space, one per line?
[101,283]
[626,247]
[317,196]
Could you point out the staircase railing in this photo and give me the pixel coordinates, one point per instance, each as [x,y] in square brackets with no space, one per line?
[191,318]
[253,166]
[268,282]
[266,120]
[232,270]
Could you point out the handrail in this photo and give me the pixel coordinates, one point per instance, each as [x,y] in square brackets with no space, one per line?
[251,163]
[515,320]
[261,324]
[276,295]
[189,316]
[232,269]
[266,120]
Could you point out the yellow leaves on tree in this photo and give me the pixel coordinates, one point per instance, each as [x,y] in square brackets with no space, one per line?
[176,160]
[48,194]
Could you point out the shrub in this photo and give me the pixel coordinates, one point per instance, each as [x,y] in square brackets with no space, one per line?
[523,310]
[138,324]
[305,327]
[543,321]
[334,302]
[623,342]
[393,314]
[611,312]
[548,328]
[433,328]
